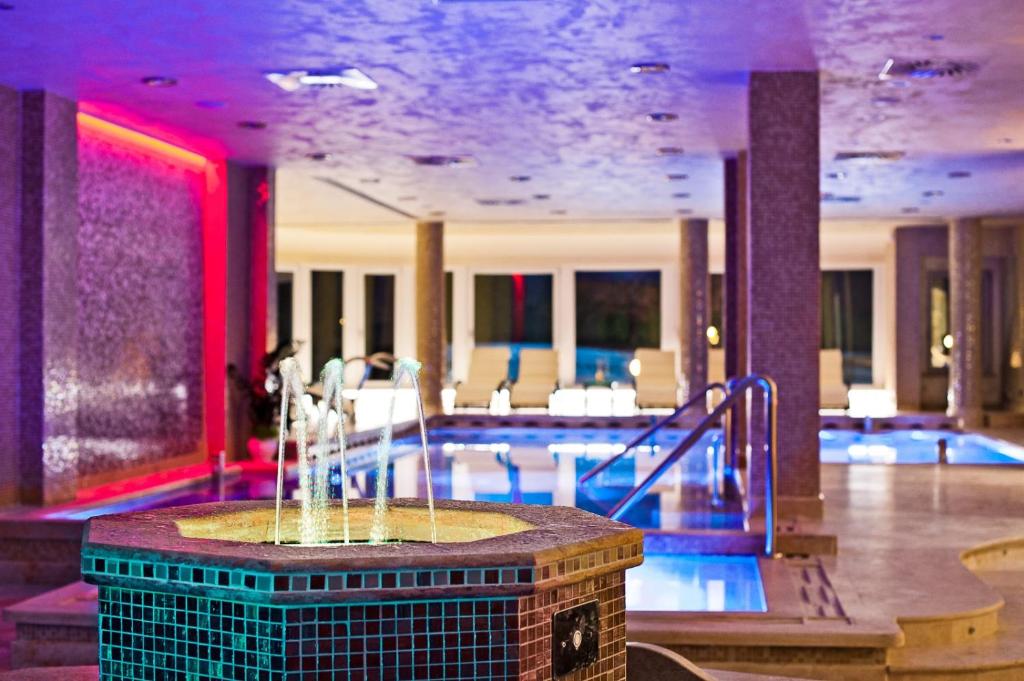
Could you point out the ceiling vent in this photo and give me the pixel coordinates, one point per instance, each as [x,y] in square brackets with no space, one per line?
[438,161]
[829,197]
[500,202]
[870,155]
[926,69]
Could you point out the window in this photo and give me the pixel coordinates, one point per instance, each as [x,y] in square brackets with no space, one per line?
[716,326]
[284,307]
[616,313]
[940,340]
[448,328]
[513,310]
[327,317]
[379,317]
[846,320]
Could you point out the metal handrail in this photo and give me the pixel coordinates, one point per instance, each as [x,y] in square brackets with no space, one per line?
[738,389]
[658,425]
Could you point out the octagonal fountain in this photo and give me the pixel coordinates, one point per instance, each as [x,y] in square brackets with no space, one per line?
[332,588]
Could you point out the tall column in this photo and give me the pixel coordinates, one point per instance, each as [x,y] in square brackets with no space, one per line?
[965,262]
[784,276]
[736,284]
[694,309]
[1015,381]
[10,277]
[48,313]
[430,312]
[251,288]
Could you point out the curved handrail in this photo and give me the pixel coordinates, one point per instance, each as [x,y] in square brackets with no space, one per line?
[738,389]
[658,425]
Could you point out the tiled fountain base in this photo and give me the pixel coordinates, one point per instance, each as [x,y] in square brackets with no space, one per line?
[487,602]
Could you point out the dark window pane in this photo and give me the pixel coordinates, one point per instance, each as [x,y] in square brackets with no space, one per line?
[380,317]
[448,298]
[616,312]
[284,307]
[513,310]
[847,320]
[327,318]
[716,330]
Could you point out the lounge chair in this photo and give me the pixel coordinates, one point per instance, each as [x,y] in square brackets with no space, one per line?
[656,384]
[488,370]
[834,393]
[538,378]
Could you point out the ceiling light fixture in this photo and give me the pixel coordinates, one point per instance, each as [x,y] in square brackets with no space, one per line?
[681,195]
[252,125]
[649,67]
[407,198]
[684,211]
[519,178]
[932,193]
[559,211]
[6,6]
[290,81]
[441,161]
[910,210]
[670,151]
[662,117]
[677,177]
[159,81]
[959,174]
[836,175]
[211,104]
[541,197]
[370,180]
[318,156]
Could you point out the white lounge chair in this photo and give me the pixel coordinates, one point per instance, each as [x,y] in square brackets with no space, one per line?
[538,378]
[834,393]
[488,370]
[656,384]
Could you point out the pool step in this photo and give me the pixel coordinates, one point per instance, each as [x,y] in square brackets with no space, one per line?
[55,628]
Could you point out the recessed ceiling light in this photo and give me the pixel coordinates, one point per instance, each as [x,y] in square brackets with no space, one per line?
[959,174]
[836,175]
[290,81]
[519,178]
[932,193]
[662,117]
[436,214]
[252,125]
[318,156]
[869,155]
[684,211]
[681,195]
[910,210]
[677,177]
[649,67]
[407,198]
[370,180]
[935,37]
[541,197]
[829,197]
[559,211]
[885,100]
[159,81]
[670,151]
[442,161]
[211,104]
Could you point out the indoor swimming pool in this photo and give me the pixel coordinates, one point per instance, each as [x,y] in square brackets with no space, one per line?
[916,447]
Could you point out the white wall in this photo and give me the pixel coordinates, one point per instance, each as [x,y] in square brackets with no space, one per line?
[559,249]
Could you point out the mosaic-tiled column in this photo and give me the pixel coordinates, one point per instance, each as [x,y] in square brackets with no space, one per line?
[694,312]
[430,312]
[965,262]
[48,302]
[251,290]
[735,294]
[10,275]
[785,277]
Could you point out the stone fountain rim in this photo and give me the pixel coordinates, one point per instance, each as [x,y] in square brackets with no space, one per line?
[559,532]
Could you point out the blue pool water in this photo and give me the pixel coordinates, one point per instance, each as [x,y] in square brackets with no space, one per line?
[916,447]
[682,582]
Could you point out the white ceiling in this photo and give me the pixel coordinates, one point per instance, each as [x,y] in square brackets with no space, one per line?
[542,88]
